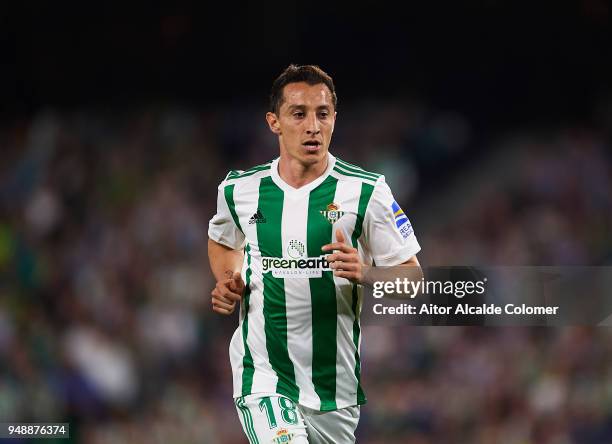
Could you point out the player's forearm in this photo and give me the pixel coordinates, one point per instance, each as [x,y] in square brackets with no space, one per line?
[412,271]
[223,259]
[409,271]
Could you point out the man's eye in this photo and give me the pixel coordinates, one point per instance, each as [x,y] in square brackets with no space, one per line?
[298,114]
[323,115]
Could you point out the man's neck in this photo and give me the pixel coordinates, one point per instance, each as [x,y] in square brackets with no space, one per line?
[296,174]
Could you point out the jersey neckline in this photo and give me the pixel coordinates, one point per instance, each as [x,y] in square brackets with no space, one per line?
[331,161]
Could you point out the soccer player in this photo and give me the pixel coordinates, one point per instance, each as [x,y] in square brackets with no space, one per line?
[289,242]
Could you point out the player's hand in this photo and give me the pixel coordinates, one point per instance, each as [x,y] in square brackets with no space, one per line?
[344,260]
[226,293]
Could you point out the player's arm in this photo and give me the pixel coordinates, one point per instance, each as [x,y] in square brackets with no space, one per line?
[224,260]
[225,263]
[226,243]
[412,262]
[412,271]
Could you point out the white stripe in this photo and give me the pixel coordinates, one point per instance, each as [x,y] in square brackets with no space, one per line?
[298,303]
[347,197]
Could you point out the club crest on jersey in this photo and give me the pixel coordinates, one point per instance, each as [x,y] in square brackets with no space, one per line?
[332,213]
[282,436]
[401,220]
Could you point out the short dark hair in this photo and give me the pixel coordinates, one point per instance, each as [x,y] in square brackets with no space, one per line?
[310,74]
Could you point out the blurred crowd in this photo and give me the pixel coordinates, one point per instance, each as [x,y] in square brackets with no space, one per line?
[105,318]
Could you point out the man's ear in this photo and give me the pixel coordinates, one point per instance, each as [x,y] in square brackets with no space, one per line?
[273,123]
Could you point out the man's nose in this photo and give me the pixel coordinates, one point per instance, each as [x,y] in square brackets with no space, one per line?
[312,125]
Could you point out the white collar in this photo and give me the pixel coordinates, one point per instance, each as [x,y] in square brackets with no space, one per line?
[331,161]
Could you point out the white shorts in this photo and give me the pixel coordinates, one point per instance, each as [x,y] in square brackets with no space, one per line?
[275,419]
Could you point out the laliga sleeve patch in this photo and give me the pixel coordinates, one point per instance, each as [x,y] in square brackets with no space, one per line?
[401,220]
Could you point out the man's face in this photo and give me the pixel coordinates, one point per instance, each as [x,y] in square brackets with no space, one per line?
[305,122]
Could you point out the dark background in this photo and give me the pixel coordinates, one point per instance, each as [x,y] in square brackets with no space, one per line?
[499,62]
[491,122]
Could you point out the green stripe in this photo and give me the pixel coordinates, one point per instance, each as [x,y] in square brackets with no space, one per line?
[364,199]
[251,425]
[246,426]
[262,166]
[248,421]
[338,169]
[355,168]
[247,361]
[323,298]
[229,198]
[275,308]
[238,175]
[237,402]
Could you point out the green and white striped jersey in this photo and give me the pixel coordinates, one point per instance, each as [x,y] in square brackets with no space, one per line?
[299,332]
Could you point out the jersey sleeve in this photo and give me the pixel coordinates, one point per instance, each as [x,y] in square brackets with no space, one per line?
[223,228]
[389,235]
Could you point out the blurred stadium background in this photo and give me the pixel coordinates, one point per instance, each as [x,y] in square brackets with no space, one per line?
[492,125]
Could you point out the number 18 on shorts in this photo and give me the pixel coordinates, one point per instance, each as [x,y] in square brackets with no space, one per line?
[271,419]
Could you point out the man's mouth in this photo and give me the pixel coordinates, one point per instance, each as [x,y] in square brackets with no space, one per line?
[312,145]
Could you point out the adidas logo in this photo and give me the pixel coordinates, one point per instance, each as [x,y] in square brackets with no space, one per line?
[257,218]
